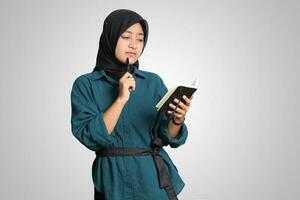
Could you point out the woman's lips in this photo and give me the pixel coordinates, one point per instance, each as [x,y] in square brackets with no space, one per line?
[131,54]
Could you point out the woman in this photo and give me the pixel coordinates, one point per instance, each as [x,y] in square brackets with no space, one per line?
[114,114]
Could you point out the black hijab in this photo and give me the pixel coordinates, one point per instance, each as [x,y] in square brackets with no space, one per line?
[114,25]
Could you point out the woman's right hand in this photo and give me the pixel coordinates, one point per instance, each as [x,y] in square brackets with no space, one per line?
[126,83]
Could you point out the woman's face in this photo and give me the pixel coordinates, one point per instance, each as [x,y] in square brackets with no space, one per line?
[130,44]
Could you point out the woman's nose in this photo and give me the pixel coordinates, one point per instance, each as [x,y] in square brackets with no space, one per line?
[132,44]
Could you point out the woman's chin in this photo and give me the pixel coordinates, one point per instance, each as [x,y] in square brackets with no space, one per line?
[131,61]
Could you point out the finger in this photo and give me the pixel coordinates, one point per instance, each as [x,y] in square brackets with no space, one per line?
[180,116]
[129,80]
[181,104]
[131,88]
[187,100]
[126,75]
[128,83]
[131,85]
[178,109]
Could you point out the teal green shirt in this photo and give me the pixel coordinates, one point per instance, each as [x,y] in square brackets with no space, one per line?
[128,177]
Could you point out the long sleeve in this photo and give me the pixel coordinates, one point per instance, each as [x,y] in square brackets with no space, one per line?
[86,119]
[163,127]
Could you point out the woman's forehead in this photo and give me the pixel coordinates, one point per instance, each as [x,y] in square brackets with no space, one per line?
[135,29]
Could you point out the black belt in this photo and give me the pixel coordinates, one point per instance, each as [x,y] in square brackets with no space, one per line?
[157,144]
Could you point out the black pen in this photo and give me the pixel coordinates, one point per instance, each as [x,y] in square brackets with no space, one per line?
[128,70]
[127,62]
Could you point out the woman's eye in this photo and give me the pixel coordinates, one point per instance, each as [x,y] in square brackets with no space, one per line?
[127,38]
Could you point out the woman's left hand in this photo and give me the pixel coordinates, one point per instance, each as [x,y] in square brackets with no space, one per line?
[181,110]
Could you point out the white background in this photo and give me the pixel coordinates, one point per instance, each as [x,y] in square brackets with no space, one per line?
[243,124]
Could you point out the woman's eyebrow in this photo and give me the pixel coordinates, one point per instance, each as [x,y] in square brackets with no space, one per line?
[132,33]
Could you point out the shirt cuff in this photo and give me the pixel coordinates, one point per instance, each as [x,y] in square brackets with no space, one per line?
[176,141]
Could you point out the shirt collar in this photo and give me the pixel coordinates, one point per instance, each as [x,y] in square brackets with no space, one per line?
[98,74]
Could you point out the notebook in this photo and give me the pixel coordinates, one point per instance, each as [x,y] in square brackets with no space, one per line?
[176,91]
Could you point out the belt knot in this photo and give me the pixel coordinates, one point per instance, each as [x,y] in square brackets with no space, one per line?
[156,144]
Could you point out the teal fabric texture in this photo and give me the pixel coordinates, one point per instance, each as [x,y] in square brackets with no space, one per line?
[124,177]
